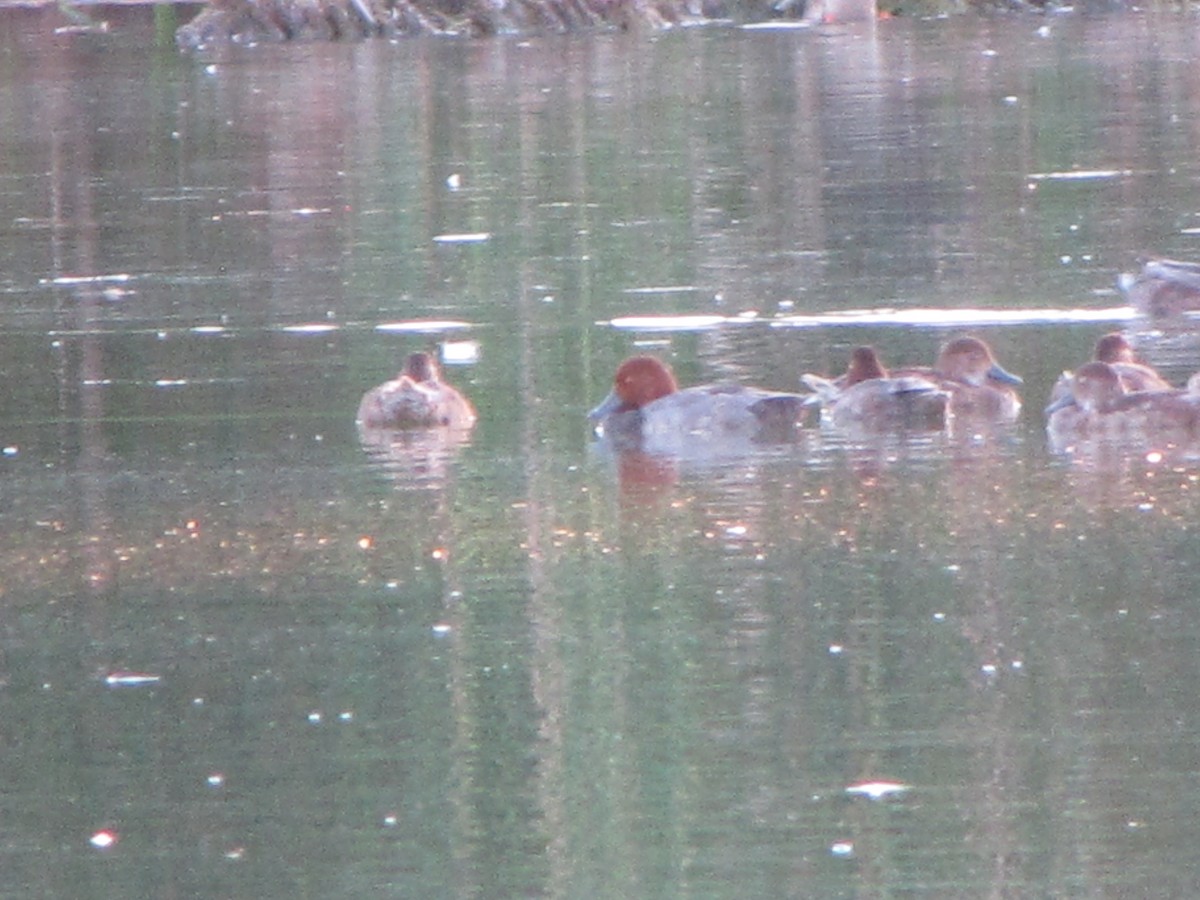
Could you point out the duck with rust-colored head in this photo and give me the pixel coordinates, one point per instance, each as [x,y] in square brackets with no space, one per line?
[1164,287]
[416,398]
[1098,405]
[647,409]
[866,397]
[980,389]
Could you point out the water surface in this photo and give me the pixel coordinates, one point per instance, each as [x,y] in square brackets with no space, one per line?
[520,667]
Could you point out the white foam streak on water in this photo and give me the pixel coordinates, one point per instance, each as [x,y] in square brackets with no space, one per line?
[668,323]
[955,318]
[1079,175]
[88,279]
[421,326]
[663,289]
[252,213]
[473,237]
[924,317]
[460,352]
[131,679]
[877,790]
[311,328]
[777,25]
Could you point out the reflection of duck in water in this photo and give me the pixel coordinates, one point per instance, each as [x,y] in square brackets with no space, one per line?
[1164,287]
[1097,405]
[980,388]
[867,397]
[416,398]
[647,409]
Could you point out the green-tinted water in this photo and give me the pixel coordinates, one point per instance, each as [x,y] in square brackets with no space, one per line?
[519,667]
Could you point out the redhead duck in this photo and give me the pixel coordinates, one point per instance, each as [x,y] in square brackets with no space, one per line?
[866,397]
[646,409]
[1164,287]
[980,389]
[1097,404]
[416,398]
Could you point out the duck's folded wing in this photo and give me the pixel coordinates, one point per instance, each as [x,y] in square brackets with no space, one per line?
[911,385]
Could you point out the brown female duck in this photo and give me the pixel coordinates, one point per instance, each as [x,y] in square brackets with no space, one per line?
[866,397]
[416,398]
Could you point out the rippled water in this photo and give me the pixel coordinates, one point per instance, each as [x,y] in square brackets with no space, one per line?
[244,654]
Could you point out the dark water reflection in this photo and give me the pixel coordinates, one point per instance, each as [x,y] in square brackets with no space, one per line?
[515,666]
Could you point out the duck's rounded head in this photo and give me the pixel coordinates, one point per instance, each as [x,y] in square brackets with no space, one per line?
[864,365]
[1092,388]
[421,367]
[1114,348]
[970,360]
[639,380]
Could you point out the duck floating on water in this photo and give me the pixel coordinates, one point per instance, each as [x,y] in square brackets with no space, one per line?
[866,397]
[1098,406]
[647,409]
[1163,287]
[1115,350]
[980,389]
[416,398]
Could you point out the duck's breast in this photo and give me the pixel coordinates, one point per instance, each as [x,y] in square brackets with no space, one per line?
[404,403]
[986,402]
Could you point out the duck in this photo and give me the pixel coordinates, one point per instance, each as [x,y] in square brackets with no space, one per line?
[647,410]
[1163,287]
[980,389]
[416,398]
[867,397]
[1098,405]
[1115,350]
